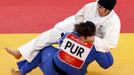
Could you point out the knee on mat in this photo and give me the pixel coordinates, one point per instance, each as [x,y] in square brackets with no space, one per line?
[106,66]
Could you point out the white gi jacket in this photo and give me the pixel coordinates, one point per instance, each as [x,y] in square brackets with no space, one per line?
[107,31]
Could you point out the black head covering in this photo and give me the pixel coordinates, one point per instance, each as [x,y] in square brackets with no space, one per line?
[108,4]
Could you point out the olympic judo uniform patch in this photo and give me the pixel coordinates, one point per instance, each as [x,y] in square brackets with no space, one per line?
[73,51]
[73,54]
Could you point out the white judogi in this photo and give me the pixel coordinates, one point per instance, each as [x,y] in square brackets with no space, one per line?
[107,32]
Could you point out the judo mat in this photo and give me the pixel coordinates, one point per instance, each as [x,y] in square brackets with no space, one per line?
[23,20]
[123,56]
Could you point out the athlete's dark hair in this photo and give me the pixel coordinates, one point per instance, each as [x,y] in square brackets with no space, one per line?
[85,28]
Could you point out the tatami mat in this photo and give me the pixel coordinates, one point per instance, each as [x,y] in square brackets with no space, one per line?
[123,55]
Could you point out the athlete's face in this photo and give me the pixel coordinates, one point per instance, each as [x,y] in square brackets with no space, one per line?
[102,11]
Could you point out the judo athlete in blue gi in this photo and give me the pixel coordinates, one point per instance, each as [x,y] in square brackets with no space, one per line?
[76,51]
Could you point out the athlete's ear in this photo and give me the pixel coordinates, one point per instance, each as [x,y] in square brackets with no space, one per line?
[92,38]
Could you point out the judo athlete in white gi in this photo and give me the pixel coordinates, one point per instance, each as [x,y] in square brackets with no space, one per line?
[76,51]
[101,13]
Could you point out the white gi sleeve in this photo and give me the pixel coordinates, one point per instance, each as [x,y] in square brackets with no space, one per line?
[66,25]
[110,39]
[83,13]
[79,16]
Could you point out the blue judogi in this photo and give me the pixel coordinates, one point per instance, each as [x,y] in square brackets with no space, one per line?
[51,64]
